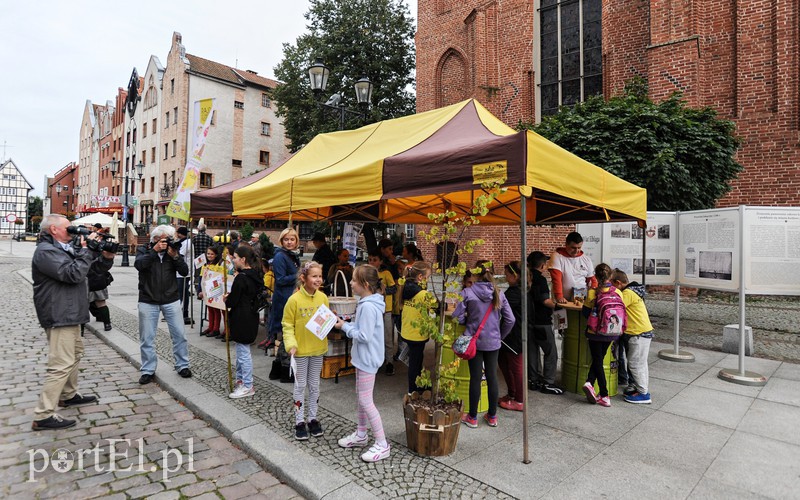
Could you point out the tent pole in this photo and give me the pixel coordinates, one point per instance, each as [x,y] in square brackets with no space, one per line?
[524,292]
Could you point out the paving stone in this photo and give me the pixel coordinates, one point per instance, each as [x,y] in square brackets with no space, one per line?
[145,490]
[198,488]
[241,490]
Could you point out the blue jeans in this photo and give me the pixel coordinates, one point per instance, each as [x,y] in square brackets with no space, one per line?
[244,364]
[148,324]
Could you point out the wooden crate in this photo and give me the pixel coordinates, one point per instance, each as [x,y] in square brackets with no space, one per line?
[332,364]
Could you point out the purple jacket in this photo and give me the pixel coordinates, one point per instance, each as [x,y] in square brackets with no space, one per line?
[470,311]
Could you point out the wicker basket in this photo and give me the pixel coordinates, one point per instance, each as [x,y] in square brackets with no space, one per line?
[332,364]
[346,305]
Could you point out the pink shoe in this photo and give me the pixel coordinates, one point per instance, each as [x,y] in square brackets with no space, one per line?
[588,389]
[604,401]
[511,405]
[471,422]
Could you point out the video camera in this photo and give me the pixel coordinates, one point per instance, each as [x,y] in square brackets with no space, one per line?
[102,245]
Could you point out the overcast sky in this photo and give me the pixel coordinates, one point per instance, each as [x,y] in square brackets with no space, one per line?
[55,55]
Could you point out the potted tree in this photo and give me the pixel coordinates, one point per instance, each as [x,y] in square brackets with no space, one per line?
[433,417]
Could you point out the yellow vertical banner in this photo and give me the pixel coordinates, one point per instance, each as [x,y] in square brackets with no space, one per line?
[179,207]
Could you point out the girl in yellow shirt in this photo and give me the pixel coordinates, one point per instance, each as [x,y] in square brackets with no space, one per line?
[306,348]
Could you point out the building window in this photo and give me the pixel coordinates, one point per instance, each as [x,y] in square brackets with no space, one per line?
[144,130]
[205,180]
[265,101]
[265,128]
[175,115]
[154,125]
[236,163]
[152,184]
[172,86]
[166,121]
[174,147]
[238,104]
[166,150]
[571,54]
[263,157]
[153,155]
[144,157]
[411,232]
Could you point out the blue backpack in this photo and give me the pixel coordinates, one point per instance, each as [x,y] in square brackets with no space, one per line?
[608,317]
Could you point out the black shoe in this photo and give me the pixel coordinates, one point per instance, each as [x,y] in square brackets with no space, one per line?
[222,337]
[54,422]
[185,373]
[77,400]
[187,321]
[551,389]
[315,428]
[534,386]
[205,332]
[146,378]
[396,356]
[107,327]
[300,432]
[389,369]
[214,335]
[629,392]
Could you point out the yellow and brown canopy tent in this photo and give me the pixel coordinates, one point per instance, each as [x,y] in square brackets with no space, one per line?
[399,170]
[402,169]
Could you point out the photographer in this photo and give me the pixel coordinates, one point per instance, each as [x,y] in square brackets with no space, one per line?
[100,278]
[158,292]
[59,270]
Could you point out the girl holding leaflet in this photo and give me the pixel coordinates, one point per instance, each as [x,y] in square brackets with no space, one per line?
[368,356]
[306,347]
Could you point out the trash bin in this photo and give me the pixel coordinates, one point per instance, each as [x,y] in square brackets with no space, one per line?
[461,378]
[575,357]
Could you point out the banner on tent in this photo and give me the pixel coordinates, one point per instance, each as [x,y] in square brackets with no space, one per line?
[179,206]
[350,239]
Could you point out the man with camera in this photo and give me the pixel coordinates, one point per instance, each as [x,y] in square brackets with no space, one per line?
[59,270]
[159,293]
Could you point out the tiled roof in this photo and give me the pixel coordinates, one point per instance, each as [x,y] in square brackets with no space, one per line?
[226,73]
[254,78]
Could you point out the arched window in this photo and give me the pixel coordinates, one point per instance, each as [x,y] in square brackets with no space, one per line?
[571,67]
[453,78]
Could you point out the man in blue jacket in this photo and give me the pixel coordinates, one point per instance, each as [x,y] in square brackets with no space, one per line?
[159,293]
[59,271]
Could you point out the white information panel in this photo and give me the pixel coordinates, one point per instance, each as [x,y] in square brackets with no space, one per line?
[592,235]
[772,250]
[621,247]
[709,249]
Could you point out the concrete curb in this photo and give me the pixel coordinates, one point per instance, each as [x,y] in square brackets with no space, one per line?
[304,474]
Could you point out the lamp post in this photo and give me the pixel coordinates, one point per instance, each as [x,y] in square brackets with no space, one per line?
[65,189]
[318,74]
[126,179]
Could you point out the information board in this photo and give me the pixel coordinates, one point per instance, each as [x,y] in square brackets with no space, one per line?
[709,249]
[772,250]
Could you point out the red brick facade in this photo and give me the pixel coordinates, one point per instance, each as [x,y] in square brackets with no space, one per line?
[739,57]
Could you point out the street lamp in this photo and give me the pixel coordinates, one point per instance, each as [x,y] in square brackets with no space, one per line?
[64,188]
[114,165]
[318,74]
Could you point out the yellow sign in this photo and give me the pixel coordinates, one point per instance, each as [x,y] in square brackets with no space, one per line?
[206,105]
[490,173]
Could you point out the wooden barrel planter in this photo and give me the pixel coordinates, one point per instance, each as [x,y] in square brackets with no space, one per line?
[430,433]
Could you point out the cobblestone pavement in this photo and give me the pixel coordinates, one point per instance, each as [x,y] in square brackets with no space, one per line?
[776,325]
[403,475]
[150,423]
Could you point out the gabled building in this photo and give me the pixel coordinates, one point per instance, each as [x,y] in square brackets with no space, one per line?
[14,189]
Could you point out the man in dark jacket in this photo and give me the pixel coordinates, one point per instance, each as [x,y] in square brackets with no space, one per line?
[159,293]
[59,273]
[324,255]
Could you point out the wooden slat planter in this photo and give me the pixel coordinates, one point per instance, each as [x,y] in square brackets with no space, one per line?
[431,434]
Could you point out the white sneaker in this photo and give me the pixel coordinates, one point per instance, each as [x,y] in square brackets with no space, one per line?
[242,392]
[376,453]
[353,441]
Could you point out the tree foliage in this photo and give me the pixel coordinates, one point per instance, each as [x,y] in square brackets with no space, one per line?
[354,38]
[683,156]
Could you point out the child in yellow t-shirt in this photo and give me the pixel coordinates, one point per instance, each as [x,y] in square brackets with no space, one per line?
[388,291]
[416,301]
[636,340]
[306,347]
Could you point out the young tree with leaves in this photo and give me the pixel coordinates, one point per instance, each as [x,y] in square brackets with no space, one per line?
[683,156]
[354,38]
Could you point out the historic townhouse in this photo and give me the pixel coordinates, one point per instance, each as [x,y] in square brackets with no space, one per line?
[14,189]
